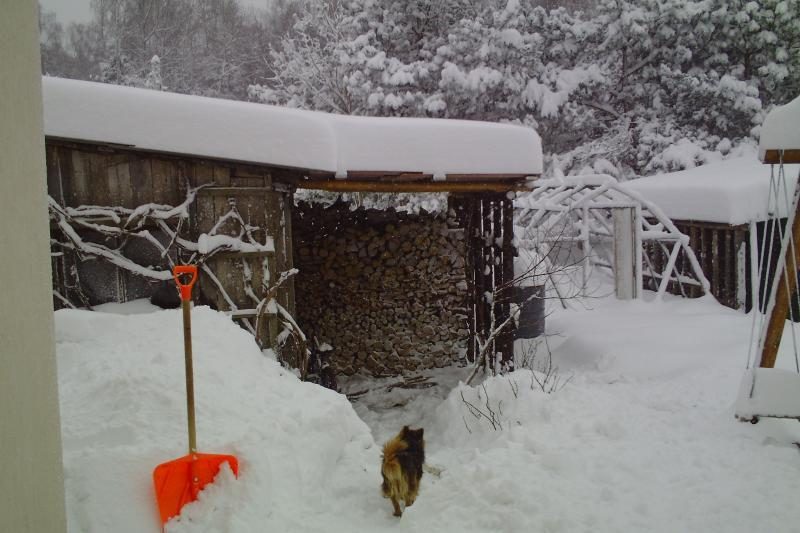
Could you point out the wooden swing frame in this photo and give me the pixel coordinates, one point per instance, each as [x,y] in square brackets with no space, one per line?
[757,399]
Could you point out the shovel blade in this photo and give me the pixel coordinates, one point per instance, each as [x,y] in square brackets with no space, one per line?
[179,481]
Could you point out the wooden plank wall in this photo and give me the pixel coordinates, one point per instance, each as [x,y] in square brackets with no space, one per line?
[723,252]
[92,177]
[260,207]
[84,174]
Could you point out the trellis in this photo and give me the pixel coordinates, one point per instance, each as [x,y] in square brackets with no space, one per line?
[615,228]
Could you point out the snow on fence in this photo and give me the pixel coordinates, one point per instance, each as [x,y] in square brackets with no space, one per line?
[728,255]
[723,208]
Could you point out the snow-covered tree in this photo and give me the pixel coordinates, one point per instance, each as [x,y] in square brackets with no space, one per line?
[153,79]
[628,87]
[759,41]
[312,65]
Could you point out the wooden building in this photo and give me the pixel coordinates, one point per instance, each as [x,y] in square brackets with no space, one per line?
[144,179]
[722,207]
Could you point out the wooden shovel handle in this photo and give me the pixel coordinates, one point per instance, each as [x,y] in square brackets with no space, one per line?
[186,296]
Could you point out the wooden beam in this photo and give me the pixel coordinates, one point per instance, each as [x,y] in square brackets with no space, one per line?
[783,294]
[412,186]
[378,175]
[404,175]
[773,157]
[235,191]
[706,224]
[486,177]
[407,176]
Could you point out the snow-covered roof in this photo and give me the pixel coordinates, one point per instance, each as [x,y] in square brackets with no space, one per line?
[259,133]
[781,129]
[733,191]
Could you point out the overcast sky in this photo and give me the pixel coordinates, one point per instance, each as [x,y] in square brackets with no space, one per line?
[80,10]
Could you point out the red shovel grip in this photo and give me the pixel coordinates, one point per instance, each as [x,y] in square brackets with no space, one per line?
[185,288]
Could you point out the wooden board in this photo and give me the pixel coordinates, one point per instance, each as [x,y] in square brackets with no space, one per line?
[55,185]
[413,186]
[789,156]
[141,180]
[79,193]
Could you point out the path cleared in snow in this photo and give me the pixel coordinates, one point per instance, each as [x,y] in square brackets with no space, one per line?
[642,437]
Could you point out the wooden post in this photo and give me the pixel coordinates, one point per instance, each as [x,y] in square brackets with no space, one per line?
[487,267]
[478,266]
[740,255]
[638,251]
[586,244]
[624,264]
[497,276]
[502,254]
[787,283]
[509,252]
[755,284]
[716,282]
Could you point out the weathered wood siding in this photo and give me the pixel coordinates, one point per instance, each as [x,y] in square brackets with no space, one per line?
[85,174]
[724,254]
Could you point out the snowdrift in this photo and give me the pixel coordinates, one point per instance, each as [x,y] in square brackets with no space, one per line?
[642,438]
[123,411]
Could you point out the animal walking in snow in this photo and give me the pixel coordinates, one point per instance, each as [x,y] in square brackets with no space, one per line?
[403,457]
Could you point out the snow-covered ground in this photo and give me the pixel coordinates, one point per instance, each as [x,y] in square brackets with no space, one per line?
[641,437]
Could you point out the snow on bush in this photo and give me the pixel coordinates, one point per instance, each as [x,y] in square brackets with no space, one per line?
[478,415]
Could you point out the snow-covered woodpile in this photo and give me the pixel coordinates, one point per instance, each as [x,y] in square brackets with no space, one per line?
[388,291]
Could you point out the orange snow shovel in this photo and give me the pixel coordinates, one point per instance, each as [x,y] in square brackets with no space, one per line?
[179,481]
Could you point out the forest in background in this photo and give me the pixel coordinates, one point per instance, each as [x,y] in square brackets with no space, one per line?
[623,87]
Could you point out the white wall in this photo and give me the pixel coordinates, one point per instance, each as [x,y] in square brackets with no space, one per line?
[31,473]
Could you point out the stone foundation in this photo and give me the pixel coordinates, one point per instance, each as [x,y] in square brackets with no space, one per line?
[388,291]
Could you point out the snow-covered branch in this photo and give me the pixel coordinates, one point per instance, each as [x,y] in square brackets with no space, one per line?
[103,233]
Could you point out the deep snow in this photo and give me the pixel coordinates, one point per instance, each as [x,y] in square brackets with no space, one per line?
[641,438]
[272,135]
[733,191]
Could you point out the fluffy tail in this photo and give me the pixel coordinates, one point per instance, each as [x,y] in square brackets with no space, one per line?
[392,470]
